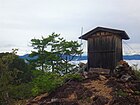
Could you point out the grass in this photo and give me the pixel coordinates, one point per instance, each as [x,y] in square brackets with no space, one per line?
[121,93]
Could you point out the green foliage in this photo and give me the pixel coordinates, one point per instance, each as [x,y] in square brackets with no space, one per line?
[121,93]
[13,71]
[49,81]
[46,82]
[7,76]
[37,73]
[19,80]
[22,91]
[24,74]
[14,64]
[44,56]
[67,50]
[137,92]
[137,73]
[76,77]
[41,82]
[55,53]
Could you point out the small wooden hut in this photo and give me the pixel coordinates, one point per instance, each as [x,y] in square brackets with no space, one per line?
[104,47]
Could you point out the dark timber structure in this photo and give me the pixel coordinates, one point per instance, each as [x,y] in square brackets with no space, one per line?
[104,47]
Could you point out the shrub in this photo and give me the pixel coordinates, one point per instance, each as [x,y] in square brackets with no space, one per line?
[46,82]
[22,91]
[137,73]
[42,82]
[121,93]
[76,77]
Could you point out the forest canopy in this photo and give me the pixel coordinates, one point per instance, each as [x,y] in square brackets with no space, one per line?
[20,80]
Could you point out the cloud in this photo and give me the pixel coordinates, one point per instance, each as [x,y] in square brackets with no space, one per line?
[22,20]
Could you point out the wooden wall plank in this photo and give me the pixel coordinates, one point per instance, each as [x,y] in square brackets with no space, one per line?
[104,50]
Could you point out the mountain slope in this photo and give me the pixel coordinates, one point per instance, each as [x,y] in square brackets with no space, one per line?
[84,57]
[97,88]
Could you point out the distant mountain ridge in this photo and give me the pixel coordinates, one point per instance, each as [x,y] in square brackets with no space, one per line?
[132,57]
[27,57]
[84,57]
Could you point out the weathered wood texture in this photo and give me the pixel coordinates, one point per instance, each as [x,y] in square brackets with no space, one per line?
[104,50]
[100,71]
[104,47]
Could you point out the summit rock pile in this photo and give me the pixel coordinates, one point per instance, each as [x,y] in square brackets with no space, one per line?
[124,72]
[97,88]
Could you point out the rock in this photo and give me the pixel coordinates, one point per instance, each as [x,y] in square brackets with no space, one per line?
[124,72]
[100,71]
[40,97]
[96,89]
[129,100]
[62,102]
[94,98]
[54,99]
[100,100]
[83,66]
[85,75]
[90,75]
[37,99]
[125,78]
[93,76]
[101,77]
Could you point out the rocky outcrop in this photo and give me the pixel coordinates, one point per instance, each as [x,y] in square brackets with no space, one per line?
[98,88]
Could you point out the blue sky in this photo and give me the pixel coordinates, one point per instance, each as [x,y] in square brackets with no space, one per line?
[22,20]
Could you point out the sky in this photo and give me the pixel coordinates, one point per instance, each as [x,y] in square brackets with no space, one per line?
[23,20]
